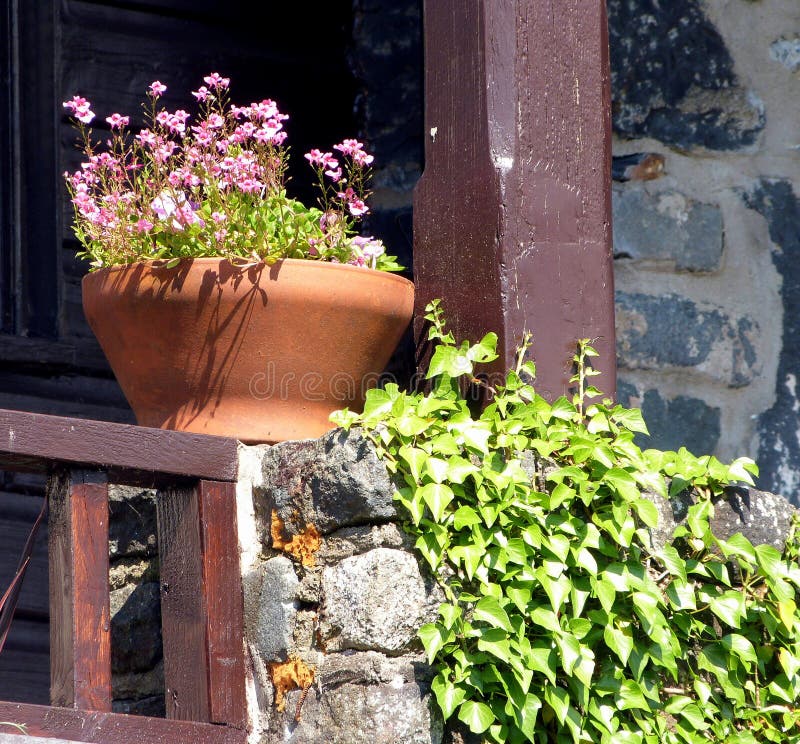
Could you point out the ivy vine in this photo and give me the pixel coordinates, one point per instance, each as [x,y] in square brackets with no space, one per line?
[564,621]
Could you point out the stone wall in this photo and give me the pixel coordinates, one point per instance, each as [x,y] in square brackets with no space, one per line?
[708,285]
[334,593]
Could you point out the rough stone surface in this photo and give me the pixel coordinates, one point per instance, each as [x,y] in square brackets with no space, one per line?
[787,52]
[330,483]
[362,697]
[667,226]
[376,600]
[670,330]
[270,607]
[135,638]
[779,453]
[136,648]
[677,422]
[132,522]
[673,77]
[763,518]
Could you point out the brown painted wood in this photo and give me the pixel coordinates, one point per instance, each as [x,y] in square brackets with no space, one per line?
[131,454]
[80,620]
[183,613]
[224,603]
[114,728]
[512,216]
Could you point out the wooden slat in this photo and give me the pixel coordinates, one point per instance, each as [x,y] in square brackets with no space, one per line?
[183,615]
[115,728]
[131,454]
[512,215]
[18,512]
[224,603]
[80,618]
[25,663]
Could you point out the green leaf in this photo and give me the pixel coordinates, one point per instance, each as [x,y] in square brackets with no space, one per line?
[476,715]
[619,641]
[448,695]
[437,496]
[489,611]
[450,361]
[739,645]
[527,715]
[729,608]
[433,638]
[465,516]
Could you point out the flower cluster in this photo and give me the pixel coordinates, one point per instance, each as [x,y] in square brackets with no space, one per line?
[213,185]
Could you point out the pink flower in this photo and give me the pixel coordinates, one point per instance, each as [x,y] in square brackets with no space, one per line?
[215,121]
[201,93]
[215,81]
[218,217]
[146,137]
[357,207]
[143,225]
[117,121]
[157,89]
[220,235]
[79,107]
[349,146]
[334,175]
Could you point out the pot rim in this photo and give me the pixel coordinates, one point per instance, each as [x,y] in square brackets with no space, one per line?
[160,265]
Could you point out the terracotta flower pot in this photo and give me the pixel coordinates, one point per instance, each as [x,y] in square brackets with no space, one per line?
[261,353]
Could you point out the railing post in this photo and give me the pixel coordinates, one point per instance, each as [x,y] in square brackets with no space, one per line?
[201,604]
[512,216]
[80,637]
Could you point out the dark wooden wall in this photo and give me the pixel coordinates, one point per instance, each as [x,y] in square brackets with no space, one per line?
[109,51]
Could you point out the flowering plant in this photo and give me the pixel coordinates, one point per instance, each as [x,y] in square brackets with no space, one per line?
[214,188]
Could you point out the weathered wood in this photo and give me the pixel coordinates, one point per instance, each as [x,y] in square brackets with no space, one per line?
[115,728]
[131,454]
[25,663]
[37,68]
[224,603]
[183,611]
[17,515]
[80,618]
[512,216]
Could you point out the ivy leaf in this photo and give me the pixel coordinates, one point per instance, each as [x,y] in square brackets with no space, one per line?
[619,641]
[433,638]
[729,608]
[437,496]
[489,611]
[526,716]
[542,658]
[476,715]
[673,562]
[465,516]
[448,360]
[448,695]
[739,645]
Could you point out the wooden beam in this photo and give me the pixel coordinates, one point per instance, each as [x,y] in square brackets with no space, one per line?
[130,454]
[512,216]
[114,728]
[80,619]
[183,607]
[222,585]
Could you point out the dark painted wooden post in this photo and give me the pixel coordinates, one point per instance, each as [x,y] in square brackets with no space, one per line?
[80,620]
[512,216]
[201,604]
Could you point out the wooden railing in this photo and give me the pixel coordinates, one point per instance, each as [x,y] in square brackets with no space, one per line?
[201,599]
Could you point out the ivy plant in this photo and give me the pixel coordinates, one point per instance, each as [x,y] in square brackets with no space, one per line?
[564,620]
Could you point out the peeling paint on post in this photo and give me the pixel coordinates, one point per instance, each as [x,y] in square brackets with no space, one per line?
[512,216]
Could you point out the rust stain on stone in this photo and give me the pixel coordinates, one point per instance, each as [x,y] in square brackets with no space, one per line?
[302,546]
[292,674]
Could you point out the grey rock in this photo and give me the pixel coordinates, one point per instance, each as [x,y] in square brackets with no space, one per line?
[673,78]
[677,422]
[131,522]
[667,227]
[270,608]
[673,331]
[332,482]
[352,540]
[779,448]
[786,52]
[763,518]
[134,687]
[135,628]
[376,601]
[362,697]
